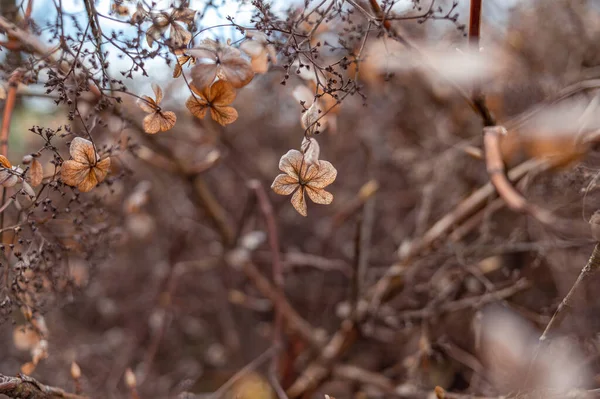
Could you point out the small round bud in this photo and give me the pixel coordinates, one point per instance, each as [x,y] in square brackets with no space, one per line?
[27,159]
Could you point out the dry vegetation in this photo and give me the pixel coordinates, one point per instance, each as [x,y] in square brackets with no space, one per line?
[440,158]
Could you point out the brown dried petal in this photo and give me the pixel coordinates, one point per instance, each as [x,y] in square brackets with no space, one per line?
[147,104]
[221,93]
[253,48]
[223,115]
[101,169]
[4,162]
[197,107]
[284,184]
[72,172]
[322,176]
[158,93]
[36,173]
[260,64]
[204,73]
[185,15]
[179,36]
[159,122]
[299,202]
[82,151]
[236,69]
[88,183]
[290,163]
[319,196]
[181,61]
[311,150]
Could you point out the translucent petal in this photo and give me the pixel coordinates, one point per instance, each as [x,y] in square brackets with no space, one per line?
[203,74]
[223,115]
[72,172]
[322,176]
[290,163]
[299,202]
[319,196]
[82,151]
[284,184]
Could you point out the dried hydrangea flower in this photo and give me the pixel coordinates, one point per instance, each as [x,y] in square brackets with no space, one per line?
[179,37]
[300,178]
[86,169]
[215,98]
[157,120]
[214,59]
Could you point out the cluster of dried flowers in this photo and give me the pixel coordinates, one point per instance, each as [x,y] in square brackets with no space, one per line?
[218,69]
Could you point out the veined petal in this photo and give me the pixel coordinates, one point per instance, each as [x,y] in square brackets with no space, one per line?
[321,176]
[290,163]
[82,151]
[72,172]
[284,184]
[101,169]
[299,202]
[88,183]
[223,115]
[203,74]
[319,196]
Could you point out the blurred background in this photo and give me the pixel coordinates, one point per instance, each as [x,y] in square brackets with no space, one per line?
[171,266]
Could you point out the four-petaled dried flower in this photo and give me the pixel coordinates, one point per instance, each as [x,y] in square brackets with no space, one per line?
[217,98]
[86,169]
[179,37]
[157,120]
[118,8]
[259,50]
[181,61]
[214,59]
[299,177]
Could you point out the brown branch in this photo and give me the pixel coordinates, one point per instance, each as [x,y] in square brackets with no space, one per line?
[24,387]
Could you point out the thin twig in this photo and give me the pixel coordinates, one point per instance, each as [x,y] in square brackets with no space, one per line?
[591,267]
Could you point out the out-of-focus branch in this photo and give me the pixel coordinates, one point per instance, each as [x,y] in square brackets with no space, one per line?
[280,303]
[24,387]
[495,168]
[267,211]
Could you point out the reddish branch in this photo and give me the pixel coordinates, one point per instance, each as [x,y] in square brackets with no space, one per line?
[495,168]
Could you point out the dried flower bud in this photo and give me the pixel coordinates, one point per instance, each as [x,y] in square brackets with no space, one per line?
[75,371]
[27,159]
[130,379]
